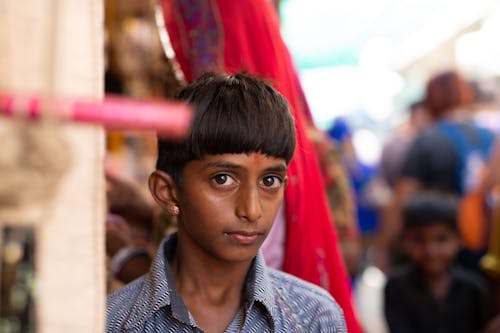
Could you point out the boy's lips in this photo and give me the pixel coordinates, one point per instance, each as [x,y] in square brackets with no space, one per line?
[244,237]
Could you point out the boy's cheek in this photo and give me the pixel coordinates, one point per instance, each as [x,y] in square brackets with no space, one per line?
[412,248]
[407,243]
[452,248]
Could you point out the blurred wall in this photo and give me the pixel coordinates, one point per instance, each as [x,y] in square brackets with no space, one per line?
[55,48]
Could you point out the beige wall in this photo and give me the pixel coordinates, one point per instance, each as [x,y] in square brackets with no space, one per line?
[55,47]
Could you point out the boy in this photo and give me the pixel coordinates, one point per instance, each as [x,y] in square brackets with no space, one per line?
[432,294]
[225,184]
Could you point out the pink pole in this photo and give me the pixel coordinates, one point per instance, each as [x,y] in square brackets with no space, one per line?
[169,119]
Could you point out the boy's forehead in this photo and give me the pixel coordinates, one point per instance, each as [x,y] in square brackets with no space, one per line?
[242,159]
[436,227]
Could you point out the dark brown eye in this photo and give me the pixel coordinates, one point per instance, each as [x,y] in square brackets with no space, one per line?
[221,179]
[271,181]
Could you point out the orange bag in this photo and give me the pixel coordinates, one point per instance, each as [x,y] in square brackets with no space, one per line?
[472,145]
[473,220]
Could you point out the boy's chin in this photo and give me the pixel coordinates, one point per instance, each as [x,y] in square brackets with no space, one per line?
[431,271]
[242,256]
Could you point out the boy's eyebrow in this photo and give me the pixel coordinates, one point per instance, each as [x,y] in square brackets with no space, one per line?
[278,168]
[222,164]
[228,165]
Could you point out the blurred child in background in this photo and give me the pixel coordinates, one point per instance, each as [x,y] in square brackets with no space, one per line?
[431,293]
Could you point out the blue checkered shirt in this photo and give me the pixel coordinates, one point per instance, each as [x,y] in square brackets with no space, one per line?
[275,302]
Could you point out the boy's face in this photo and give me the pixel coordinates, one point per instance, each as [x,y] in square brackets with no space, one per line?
[228,203]
[433,248]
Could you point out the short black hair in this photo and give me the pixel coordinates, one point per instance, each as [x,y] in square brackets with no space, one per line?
[426,208]
[234,114]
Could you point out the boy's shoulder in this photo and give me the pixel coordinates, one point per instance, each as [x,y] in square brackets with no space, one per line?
[120,303]
[468,277]
[401,276]
[127,293]
[288,285]
[300,304]
[304,301]
[406,275]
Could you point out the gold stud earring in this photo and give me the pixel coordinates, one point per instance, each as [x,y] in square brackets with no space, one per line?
[173,210]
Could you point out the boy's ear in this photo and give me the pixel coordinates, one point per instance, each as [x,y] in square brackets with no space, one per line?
[164,189]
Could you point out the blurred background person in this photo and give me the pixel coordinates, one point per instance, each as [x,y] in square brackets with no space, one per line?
[396,146]
[450,156]
[392,158]
[430,293]
[364,180]
[129,232]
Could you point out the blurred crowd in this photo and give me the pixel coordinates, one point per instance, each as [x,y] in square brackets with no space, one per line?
[418,233]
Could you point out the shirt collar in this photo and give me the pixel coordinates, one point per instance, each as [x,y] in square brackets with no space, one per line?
[259,286]
[159,290]
[414,276]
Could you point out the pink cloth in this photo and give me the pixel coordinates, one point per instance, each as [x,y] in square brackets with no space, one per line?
[273,247]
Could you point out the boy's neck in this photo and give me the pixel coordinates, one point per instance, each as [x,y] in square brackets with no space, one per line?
[209,280]
[438,285]
[208,287]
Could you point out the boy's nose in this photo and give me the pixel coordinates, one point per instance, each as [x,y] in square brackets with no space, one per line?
[431,248]
[249,206]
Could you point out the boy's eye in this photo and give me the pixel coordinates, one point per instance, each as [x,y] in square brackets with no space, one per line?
[441,238]
[223,179]
[417,239]
[272,181]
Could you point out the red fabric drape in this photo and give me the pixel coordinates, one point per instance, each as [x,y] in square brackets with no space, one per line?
[240,35]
